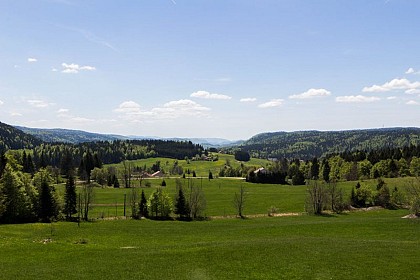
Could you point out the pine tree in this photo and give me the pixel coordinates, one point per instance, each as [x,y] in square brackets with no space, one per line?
[13,202]
[315,169]
[143,211]
[326,171]
[70,198]
[47,204]
[181,205]
[116,182]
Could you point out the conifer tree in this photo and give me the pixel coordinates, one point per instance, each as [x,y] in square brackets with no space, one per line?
[181,205]
[48,208]
[143,211]
[70,198]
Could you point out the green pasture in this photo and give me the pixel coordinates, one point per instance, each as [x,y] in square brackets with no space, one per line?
[219,193]
[359,245]
[201,167]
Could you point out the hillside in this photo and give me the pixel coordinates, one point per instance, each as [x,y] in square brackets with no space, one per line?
[79,136]
[68,135]
[12,138]
[309,144]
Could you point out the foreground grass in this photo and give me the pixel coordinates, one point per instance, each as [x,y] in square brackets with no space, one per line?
[363,245]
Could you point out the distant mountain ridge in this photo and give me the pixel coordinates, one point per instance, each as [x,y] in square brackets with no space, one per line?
[309,144]
[299,144]
[79,136]
[68,135]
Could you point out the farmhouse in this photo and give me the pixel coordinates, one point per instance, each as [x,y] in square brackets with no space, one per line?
[261,170]
[157,174]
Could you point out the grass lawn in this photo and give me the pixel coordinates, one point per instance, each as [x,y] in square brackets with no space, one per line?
[219,195]
[360,245]
[201,168]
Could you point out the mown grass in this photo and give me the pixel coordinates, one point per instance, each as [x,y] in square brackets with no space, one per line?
[201,168]
[362,245]
[219,195]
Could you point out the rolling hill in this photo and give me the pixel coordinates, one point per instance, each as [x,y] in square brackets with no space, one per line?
[12,138]
[309,144]
[79,136]
[68,135]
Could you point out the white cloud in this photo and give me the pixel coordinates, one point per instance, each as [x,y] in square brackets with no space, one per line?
[395,84]
[208,95]
[39,103]
[391,98]
[272,103]
[32,59]
[412,71]
[356,99]
[75,68]
[248,99]
[128,107]
[54,69]
[185,105]
[412,102]
[311,93]
[1,102]
[62,110]
[14,114]
[131,111]
[413,91]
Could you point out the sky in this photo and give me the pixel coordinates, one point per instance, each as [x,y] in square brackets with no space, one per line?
[222,68]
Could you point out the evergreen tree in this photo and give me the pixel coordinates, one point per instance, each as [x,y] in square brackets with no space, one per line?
[181,205]
[47,203]
[326,171]
[70,198]
[143,211]
[116,182]
[3,161]
[210,175]
[66,164]
[48,208]
[30,165]
[14,204]
[315,169]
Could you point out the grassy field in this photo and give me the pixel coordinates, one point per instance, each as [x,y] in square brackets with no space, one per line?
[201,168]
[360,245]
[219,195]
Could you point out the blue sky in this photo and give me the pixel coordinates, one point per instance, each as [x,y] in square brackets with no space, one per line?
[228,68]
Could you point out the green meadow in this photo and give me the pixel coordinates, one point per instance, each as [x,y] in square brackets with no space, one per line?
[360,245]
[219,193]
[201,168]
[376,244]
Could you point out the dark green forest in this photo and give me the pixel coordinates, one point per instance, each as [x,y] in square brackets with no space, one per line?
[309,144]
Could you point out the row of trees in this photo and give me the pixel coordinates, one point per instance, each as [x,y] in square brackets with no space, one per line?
[323,196]
[333,168]
[29,198]
[188,204]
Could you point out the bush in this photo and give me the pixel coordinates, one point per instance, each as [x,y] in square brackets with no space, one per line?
[242,156]
[316,198]
[272,211]
[361,196]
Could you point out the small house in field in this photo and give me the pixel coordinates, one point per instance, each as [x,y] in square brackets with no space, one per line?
[157,174]
[146,175]
[261,170]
